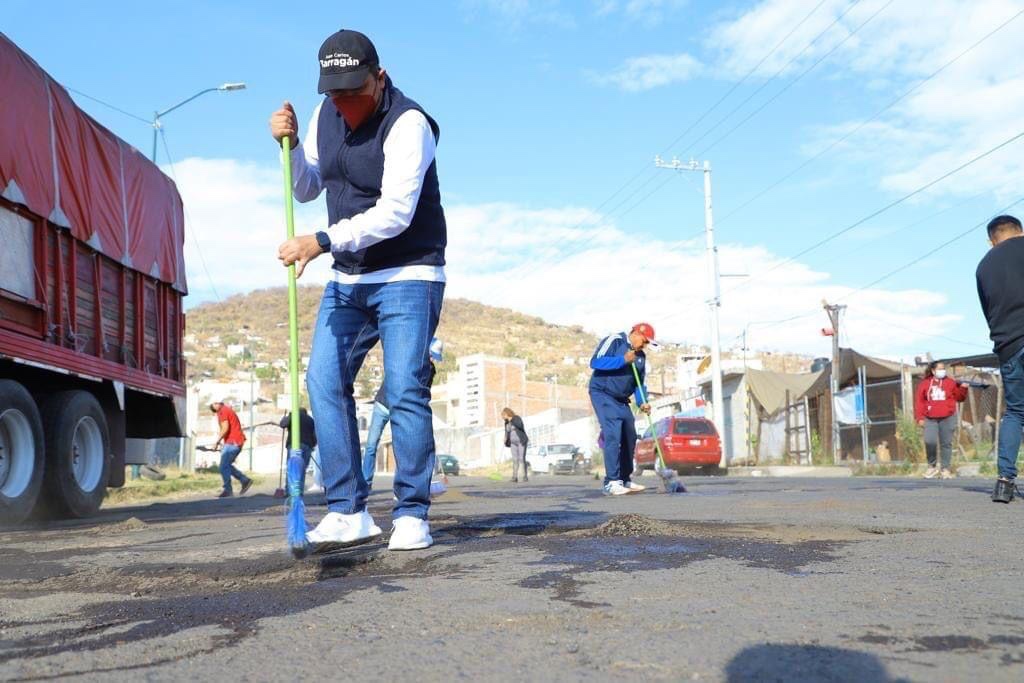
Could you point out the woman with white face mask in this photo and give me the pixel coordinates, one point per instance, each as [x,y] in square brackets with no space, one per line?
[935,409]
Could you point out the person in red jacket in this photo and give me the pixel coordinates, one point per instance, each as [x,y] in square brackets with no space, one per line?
[935,409]
[233,438]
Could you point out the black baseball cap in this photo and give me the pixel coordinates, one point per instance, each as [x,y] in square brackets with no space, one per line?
[345,60]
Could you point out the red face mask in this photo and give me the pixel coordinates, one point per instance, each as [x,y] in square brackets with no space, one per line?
[355,108]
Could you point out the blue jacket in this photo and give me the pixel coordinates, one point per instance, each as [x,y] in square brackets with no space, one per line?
[612,375]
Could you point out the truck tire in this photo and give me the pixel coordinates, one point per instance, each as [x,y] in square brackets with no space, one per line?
[77,454]
[21,452]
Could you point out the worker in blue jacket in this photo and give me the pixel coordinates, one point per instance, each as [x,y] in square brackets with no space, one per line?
[611,386]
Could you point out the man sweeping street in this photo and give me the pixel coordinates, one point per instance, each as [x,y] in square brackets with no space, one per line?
[372,149]
[1000,277]
[233,438]
[611,386]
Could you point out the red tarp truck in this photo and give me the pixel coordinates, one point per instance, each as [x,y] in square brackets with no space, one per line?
[91,284]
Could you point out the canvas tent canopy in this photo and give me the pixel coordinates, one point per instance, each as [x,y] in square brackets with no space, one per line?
[877,368]
[62,165]
[769,388]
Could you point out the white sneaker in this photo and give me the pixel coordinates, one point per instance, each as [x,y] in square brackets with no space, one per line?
[336,530]
[634,487]
[615,488]
[931,472]
[410,533]
[946,474]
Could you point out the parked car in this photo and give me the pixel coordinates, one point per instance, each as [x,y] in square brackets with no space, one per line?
[687,443]
[556,458]
[449,464]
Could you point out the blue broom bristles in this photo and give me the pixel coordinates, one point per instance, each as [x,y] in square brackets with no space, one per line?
[296,523]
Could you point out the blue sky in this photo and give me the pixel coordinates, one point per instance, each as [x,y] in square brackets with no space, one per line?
[547,108]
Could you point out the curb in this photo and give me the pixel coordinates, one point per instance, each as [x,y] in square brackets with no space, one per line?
[791,471]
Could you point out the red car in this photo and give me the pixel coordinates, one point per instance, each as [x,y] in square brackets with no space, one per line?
[687,443]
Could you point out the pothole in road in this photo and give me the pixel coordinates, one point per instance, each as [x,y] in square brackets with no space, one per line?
[163,599]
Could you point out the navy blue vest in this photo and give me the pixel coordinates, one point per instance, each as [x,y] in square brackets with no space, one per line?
[351,169]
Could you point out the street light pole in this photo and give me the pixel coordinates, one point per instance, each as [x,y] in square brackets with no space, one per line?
[157,115]
[715,302]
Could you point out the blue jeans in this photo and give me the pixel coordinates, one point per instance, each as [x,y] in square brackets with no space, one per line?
[403,316]
[619,431]
[378,422]
[227,465]
[1012,423]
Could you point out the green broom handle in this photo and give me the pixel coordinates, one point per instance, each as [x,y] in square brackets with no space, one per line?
[650,420]
[293,297]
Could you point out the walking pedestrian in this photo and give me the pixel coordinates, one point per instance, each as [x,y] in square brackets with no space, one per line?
[233,439]
[935,409]
[307,437]
[1000,278]
[372,149]
[516,439]
[382,415]
[611,386]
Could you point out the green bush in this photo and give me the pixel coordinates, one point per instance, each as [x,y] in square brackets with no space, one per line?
[910,437]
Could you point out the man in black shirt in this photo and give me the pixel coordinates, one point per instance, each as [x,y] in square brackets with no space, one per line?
[1000,278]
[307,437]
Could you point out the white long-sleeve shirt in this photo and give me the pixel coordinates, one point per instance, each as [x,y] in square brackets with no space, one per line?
[408,152]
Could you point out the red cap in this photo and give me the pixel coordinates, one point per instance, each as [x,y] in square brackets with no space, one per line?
[645,330]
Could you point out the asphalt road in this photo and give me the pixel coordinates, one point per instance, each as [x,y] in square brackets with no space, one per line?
[741,579]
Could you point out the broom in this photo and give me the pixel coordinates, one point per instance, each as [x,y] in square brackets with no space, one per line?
[669,479]
[295,525]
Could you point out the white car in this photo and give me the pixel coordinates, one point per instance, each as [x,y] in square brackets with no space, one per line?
[552,458]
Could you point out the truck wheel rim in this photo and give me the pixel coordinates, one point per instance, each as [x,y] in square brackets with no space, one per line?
[87,454]
[17,453]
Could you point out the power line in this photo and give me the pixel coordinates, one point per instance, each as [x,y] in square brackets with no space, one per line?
[930,252]
[746,76]
[642,186]
[882,210]
[191,230]
[796,79]
[869,243]
[110,106]
[776,74]
[865,122]
[913,262]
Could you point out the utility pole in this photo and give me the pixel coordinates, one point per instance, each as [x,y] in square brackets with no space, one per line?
[715,302]
[834,311]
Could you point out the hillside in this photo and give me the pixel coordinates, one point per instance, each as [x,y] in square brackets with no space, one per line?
[467,327]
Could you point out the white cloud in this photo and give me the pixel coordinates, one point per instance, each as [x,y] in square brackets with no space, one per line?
[968,108]
[544,262]
[235,214]
[650,71]
[568,265]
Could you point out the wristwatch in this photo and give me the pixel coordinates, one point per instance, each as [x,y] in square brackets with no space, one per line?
[324,240]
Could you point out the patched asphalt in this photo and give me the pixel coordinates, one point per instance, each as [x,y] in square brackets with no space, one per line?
[740,579]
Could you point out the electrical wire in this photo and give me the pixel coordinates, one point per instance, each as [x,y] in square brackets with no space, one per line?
[190,227]
[749,73]
[645,184]
[795,80]
[930,252]
[774,76]
[878,212]
[110,106]
[865,122]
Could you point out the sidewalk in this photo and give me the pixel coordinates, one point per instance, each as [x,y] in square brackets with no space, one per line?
[791,471]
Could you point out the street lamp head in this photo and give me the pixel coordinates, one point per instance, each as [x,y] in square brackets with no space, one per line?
[232,86]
